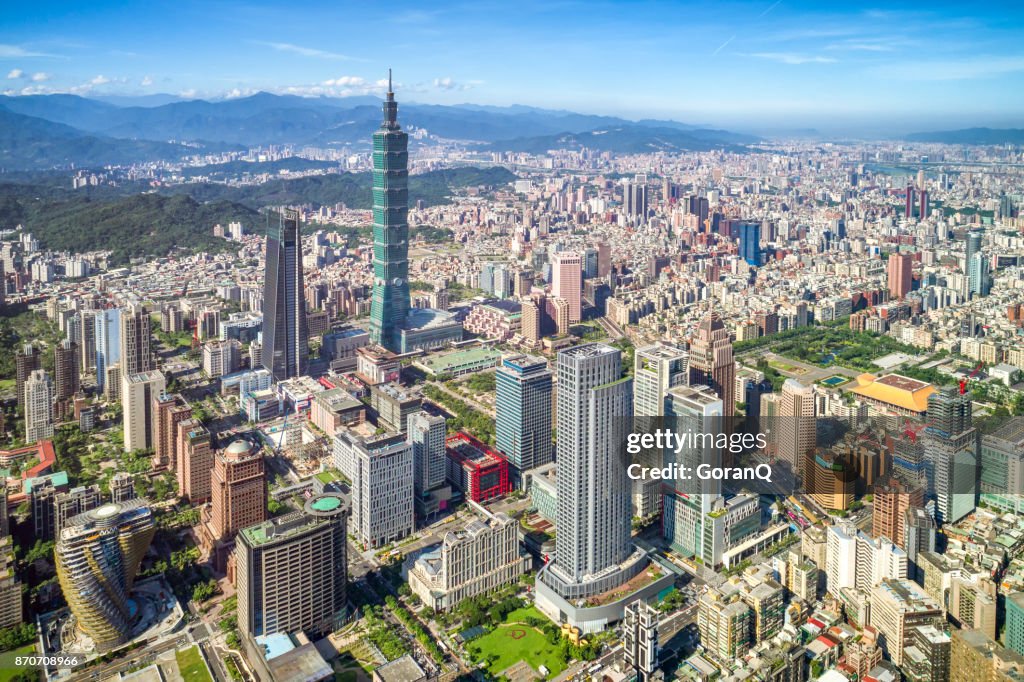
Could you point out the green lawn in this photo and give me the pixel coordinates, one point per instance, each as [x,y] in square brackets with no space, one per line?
[7,668]
[192,666]
[510,643]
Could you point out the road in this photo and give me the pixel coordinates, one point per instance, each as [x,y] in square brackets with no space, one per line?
[613,330]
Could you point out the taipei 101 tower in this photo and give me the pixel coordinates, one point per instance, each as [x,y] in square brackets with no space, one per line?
[390,302]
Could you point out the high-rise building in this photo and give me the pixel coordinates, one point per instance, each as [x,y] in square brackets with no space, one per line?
[951,452]
[795,427]
[593,513]
[855,560]
[635,201]
[136,355]
[195,460]
[285,335]
[26,361]
[711,361]
[170,409]
[98,556]
[892,500]
[567,281]
[979,276]
[975,657]
[238,489]
[1014,636]
[382,490]
[38,406]
[87,341]
[107,339]
[389,305]
[750,243]
[919,534]
[640,639]
[291,572]
[122,487]
[10,588]
[66,372]
[896,607]
[926,658]
[523,411]
[725,623]
[1002,466]
[71,503]
[139,393]
[426,433]
[901,274]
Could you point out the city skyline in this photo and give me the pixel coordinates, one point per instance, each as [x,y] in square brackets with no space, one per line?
[741,63]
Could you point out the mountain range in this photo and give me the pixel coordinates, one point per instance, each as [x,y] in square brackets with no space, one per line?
[972,136]
[65,130]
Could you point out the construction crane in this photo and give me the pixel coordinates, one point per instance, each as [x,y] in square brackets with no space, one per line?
[963,382]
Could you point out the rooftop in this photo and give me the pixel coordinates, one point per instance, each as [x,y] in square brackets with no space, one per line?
[893,389]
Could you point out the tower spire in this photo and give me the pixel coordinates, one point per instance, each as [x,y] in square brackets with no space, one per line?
[390,91]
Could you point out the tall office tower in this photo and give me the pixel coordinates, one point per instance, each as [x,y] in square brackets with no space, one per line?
[291,572]
[26,361]
[893,499]
[98,556]
[908,203]
[657,368]
[594,406]
[979,276]
[169,409]
[136,356]
[38,406]
[238,489]
[285,334]
[66,373]
[531,320]
[122,487]
[796,427]
[1014,636]
[10,588]
[635,202]
[194,451]
[107,339]
[604,258]
[919,533]
[901,269]
[951,452]
[523,395]
[711,362]
[589,263]
[923,210]
[71,503]
[750,243]
[1002,466]
[87,341]
[382,490]
[389,305]
[138,398]
[567,281]
[640,639]
[426,433]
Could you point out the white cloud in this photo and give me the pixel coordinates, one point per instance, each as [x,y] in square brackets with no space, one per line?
[977,66]
[146,81]
[99,80]
[345,82]
[792,58]
[188,94]
[235,93]
[447,83]
[15,51]
[41,76]
[15,73]
[309,52]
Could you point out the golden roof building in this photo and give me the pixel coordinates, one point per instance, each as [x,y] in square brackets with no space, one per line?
[894,393]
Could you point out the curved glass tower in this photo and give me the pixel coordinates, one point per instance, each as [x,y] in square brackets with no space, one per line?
[390,302]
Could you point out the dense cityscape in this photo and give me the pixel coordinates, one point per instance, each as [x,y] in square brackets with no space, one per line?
[410,405]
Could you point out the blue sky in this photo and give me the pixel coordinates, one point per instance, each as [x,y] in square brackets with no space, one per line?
[730,62]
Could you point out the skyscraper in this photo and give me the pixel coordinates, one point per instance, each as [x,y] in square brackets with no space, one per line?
[795,426]
[87,341]
[523,413]
[98,556]
[951,453]
[285,334]
[292,573]
[389,305]
[640,639]
[66,371]
[567,281]
[900,274]
[711,361]
[38,406]
[138,395]
[238,488]
[107,339]
[136,356]
[593,515]
[750,243]
[426,433]
[26,361]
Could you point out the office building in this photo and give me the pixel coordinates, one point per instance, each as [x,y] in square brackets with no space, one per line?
[87,341]
[951,453]
[38,406]
[480,557]
[523,414]
[195,461]
[108,348]
[238,489]
[927,657]
[285,336]
[66,375]
[567,282]
[382,490]
[136,355]
[901,274]
[26,361]
[975,657]
[711,361]
[1001,476]
[170,409]
[291,572]
[426,434]
[389,306]
[896,607]
[221,357]
[139,393]
[1014,635]
[856,560]
[794,429]
[98,556]
[750,243]
[892,500]
[976,265]
[919,532]
[475,469]
[640,639]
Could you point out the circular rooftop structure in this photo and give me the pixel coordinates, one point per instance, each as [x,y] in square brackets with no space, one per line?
[107,510]
[326,504]
[240,448]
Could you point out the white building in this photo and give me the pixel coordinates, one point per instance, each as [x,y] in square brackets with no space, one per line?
[138,391]
[382,489]
[855,560]
[38,406]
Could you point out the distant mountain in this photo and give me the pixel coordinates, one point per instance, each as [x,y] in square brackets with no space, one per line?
[634,139]
[29,142]
[264,118]
[157,99]
[236,168]
[979,136]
